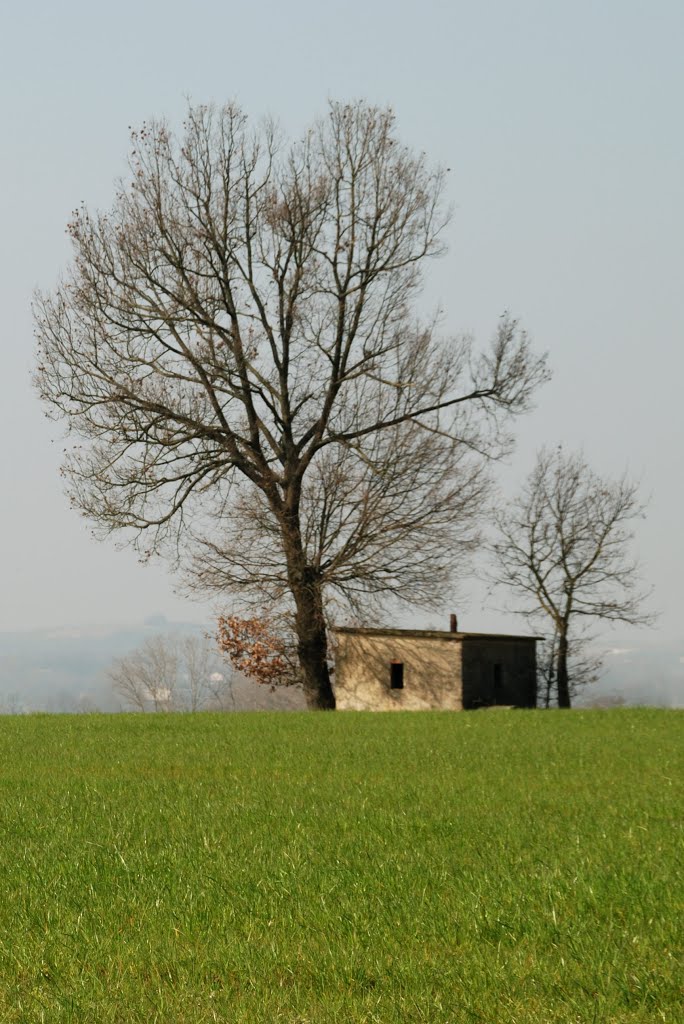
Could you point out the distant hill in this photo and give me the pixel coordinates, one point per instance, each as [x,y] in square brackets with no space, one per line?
[642,676]
[65,668]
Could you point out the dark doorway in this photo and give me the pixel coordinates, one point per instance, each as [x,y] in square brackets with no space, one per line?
[498,684]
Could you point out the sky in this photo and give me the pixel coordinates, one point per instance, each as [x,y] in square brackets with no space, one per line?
[561,124]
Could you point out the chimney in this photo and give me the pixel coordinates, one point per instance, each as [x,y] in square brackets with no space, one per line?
[453,623]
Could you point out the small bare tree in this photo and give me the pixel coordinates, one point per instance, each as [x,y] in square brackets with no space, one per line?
[237,343]
[563,547]
[167,673]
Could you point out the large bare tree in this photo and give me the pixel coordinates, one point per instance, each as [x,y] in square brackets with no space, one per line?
[237,342]
[563,548]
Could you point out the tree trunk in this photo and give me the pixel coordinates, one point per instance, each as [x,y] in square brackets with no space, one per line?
[551,672]
[312,642]
[562,681]
[312,638]
[549,682]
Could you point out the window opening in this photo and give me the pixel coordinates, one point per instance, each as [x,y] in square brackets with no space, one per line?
[396,675]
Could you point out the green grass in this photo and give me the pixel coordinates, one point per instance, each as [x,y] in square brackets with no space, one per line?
[517,867]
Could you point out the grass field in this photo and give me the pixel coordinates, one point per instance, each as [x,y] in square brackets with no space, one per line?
[504,866]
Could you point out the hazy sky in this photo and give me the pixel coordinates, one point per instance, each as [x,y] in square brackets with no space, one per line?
[562,125]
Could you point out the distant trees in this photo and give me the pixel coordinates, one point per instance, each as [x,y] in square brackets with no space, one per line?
[169,673]
[13,704]
[606,701]
[238,345]
[563,548]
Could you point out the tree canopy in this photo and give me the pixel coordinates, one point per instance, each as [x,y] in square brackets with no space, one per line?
[237,349]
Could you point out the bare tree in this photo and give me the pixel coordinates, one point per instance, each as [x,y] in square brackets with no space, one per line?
[563,547]
[167,673]
[237,343]
[204,683]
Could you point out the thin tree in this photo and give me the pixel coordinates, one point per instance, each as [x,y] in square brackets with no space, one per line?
[563,548]
[236,341]
[147,678]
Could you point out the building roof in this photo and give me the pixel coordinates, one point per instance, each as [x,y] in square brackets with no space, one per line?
[433,634]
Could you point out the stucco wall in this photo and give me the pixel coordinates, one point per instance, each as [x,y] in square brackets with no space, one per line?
[516,673]
[432,673]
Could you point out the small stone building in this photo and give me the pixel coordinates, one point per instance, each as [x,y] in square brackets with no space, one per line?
[422,669]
